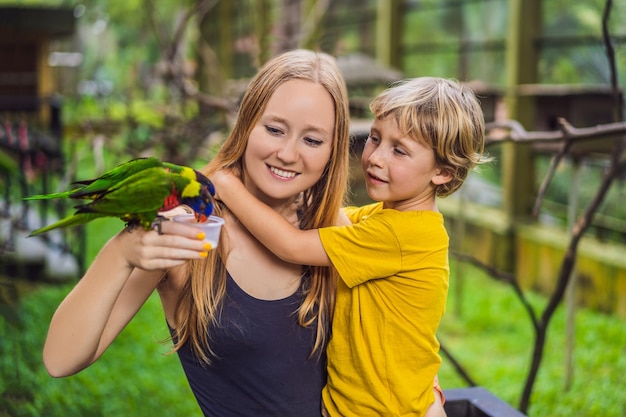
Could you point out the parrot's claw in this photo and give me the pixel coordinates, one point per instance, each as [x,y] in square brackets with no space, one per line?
[156,224]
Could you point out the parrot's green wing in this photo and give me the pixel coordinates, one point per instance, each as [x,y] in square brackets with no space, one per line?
[139,197]
[114,176]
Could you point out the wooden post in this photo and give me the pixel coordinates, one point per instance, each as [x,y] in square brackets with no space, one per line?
[45,84]
[517,160]
[310,29]
[225,49]
[215,49]
[389,33]
[570,293]
[262,28]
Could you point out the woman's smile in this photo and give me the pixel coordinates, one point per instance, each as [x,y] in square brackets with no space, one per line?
[281,173]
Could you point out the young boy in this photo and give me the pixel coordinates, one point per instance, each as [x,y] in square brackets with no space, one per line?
[428,133]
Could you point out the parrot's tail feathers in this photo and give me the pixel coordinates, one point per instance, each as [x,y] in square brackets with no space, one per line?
[69,221]
[64,194]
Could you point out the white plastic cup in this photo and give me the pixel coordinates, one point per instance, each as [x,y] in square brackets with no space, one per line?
[211,227]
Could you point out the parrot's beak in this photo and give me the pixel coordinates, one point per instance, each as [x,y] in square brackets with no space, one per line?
[201,218]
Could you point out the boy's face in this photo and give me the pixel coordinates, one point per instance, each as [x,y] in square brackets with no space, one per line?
[399,170]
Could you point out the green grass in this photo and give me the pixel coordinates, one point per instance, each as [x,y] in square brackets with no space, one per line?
[491,335]
[134,377]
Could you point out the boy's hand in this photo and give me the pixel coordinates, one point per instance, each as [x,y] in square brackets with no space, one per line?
[342,219]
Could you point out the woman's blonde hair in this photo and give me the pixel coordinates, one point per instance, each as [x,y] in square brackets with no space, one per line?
[199,306]
[443,115]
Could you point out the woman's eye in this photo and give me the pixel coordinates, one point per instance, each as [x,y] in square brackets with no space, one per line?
[372,139]
[312,141]
[273,130]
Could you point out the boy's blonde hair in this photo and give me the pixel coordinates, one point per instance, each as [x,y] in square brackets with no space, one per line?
[443,115]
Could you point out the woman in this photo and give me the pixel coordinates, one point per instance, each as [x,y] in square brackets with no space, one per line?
[231,309]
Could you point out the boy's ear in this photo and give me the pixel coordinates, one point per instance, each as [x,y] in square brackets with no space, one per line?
[442,176]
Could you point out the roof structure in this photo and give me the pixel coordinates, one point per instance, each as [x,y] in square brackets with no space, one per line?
[52,21]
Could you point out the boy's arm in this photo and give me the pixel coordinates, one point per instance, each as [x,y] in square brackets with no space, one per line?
[303,247]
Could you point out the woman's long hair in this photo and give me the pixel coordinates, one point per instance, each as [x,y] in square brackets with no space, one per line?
[199,306]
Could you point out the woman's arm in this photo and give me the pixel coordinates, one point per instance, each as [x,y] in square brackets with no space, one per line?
[118,282]
[289,243]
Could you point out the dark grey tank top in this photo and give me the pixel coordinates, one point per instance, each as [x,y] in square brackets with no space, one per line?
[262,367]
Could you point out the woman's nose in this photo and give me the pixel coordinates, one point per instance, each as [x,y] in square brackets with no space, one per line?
[288,152]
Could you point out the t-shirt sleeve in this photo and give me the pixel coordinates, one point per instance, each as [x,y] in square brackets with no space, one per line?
[366,250]
[354,213]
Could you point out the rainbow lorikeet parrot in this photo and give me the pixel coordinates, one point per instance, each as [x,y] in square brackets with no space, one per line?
[136,191]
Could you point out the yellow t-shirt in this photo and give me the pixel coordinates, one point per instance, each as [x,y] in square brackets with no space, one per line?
[383,353]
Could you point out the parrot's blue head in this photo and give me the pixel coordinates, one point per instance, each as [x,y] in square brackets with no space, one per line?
[202,204]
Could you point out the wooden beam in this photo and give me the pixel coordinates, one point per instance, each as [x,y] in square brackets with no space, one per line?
[389,25]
